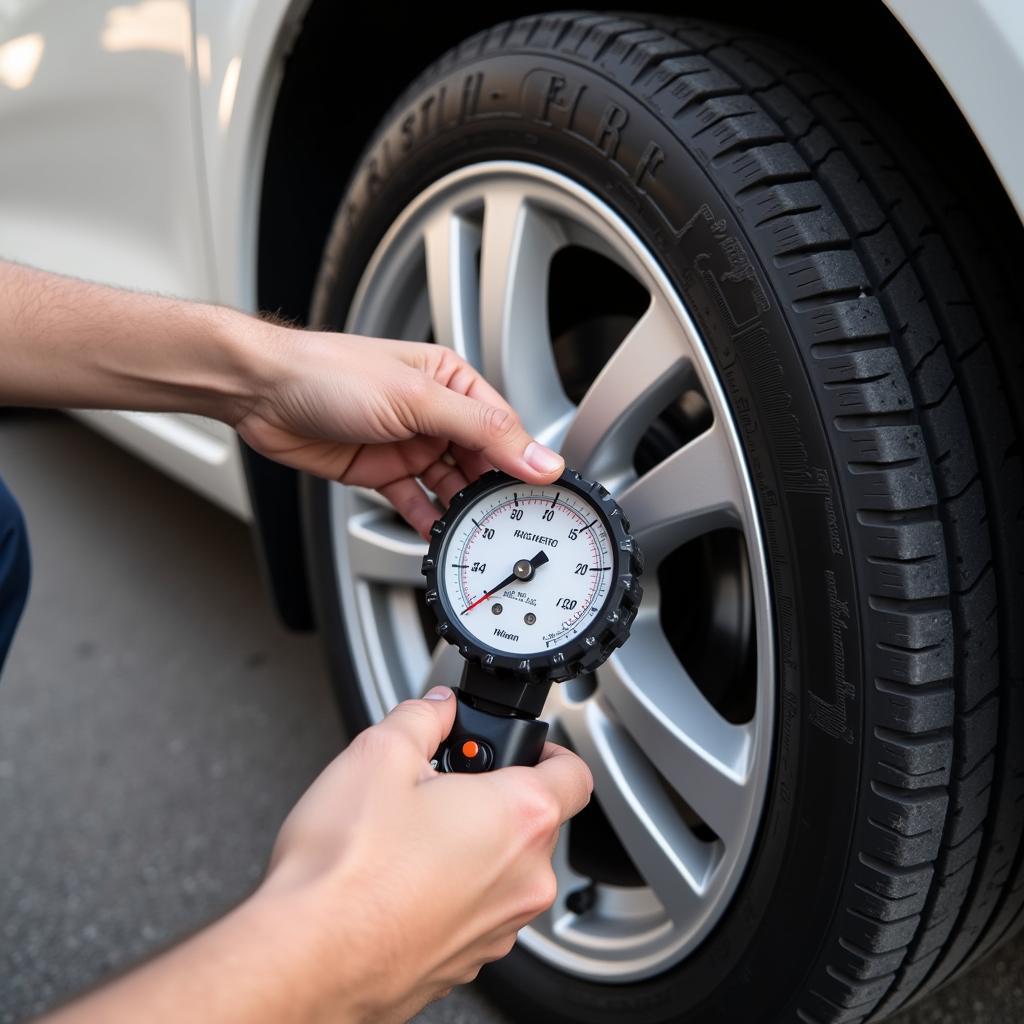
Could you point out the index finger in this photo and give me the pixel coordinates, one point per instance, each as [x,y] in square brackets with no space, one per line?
[567,776]
[474,463]
[483,391]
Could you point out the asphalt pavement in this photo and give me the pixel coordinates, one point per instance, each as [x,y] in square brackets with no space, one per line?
[156,724]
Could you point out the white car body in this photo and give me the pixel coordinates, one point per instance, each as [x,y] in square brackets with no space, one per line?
[134,137]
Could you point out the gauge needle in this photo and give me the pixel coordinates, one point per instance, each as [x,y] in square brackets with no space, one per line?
[538,559]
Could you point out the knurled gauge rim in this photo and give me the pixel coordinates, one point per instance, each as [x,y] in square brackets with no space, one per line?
[583,653]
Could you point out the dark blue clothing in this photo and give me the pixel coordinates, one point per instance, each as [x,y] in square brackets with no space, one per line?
[15,568]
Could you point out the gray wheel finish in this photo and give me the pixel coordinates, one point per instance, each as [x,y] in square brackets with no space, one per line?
[661,754]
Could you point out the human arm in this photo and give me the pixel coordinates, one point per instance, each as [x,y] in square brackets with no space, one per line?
[388,885]
[366,411]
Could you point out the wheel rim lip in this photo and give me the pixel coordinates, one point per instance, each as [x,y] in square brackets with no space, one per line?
[654,945]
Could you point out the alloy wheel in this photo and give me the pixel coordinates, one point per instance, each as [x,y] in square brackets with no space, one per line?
[540,284]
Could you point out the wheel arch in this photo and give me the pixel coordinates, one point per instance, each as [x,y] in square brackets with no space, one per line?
[977,48]
[326,109]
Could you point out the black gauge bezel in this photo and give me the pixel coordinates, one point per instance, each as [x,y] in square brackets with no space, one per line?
[456,518]
[607,630]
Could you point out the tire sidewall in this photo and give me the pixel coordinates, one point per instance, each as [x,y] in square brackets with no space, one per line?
[561,114]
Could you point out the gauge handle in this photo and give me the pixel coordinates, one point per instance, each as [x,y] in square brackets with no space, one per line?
[481,741]
[495,725]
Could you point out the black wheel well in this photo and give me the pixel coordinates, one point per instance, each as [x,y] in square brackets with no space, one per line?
[348,64]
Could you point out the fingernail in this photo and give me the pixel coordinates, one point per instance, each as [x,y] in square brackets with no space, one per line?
[542,459]
[438,693]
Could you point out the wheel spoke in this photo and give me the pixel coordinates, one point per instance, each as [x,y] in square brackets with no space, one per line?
[692,492]
[568,878]
[446,666]
[674,863]
[411,654]
[557,915]
[648,368]
[370,496]
[451,243]
[517,244]
[384,550]
[705,758]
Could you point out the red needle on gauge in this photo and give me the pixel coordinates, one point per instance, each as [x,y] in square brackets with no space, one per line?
[522,571]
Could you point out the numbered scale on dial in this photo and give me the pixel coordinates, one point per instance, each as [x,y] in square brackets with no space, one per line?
[534,584]
[530,568]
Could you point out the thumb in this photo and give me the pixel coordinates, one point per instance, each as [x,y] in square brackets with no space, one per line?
[423,724]
[493,430]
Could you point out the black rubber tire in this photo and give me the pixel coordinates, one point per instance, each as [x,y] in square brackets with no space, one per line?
[871,354]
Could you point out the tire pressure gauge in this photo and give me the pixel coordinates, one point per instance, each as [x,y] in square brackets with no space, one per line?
[534,584]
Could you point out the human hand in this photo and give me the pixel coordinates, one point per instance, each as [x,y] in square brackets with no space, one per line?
[398,883]
[379,413]
[364,411]
[388,885]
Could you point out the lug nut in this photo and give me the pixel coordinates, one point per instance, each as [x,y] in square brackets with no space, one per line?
[581,900]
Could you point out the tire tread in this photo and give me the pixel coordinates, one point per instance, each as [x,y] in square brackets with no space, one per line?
[866,258]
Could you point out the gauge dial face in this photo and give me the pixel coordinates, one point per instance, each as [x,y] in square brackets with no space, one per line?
[526,569]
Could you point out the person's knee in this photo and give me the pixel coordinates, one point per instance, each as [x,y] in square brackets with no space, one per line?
[15,567]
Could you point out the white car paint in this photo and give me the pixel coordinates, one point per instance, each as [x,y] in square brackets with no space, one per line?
[241,45]
[977,48]
[134,136]
[133,144]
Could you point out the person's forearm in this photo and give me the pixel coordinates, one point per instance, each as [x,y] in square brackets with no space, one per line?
[71,344]
[248,968]
[410,419]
